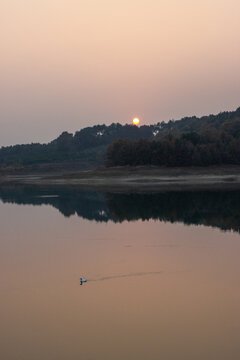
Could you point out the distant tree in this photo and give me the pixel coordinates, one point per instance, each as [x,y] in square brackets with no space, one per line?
[64,142]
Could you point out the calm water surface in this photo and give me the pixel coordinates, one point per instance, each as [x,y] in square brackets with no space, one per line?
[157,289]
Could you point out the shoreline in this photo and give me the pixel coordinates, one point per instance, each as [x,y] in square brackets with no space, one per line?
[136,179]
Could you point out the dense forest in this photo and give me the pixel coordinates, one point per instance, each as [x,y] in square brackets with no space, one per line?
[212,139]
[88,145]
[216,142]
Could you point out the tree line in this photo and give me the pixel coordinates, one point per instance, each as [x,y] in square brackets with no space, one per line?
[89,143]
[191,140]
[215,147]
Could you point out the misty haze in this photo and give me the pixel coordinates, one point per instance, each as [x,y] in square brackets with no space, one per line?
[119,180]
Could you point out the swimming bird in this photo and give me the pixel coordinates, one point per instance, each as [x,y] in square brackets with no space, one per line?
[82,281]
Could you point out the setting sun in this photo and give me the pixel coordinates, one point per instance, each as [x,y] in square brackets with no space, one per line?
[136,121]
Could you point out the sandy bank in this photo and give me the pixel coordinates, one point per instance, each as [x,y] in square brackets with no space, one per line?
[139,179]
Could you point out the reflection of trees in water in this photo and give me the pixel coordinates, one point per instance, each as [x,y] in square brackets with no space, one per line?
[86,204]
[211,208]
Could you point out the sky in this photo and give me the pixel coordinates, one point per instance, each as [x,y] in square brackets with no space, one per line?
[68,64]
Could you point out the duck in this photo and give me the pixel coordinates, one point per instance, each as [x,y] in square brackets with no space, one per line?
[83,281]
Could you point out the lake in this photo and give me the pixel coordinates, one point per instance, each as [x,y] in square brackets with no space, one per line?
[162,268]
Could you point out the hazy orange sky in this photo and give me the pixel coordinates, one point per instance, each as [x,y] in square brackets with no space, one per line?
[67,64]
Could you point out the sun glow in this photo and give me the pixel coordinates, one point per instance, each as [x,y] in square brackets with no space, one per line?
[136,121]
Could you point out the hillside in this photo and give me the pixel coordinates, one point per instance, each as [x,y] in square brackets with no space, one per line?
[200,125]
[213,140]
[87,147]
